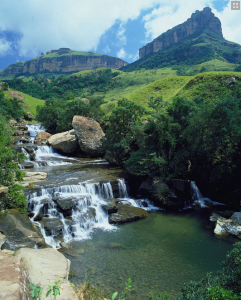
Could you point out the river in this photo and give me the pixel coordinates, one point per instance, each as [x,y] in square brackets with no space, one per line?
[159,253]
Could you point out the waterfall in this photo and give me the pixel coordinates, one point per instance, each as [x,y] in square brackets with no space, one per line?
[122,188]
[81,203]
[196,195]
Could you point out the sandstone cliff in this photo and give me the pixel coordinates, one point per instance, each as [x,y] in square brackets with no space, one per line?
[199,21]
[64,60]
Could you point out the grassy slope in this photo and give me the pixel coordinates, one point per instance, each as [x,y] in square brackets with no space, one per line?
[72,52]
[30,103]
[210,86]
[134,81]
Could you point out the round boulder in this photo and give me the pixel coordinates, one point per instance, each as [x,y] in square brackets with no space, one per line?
[41,138]
[64,142]
[89,135]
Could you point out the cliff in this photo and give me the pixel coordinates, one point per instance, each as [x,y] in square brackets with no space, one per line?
[199,21]
[63,60]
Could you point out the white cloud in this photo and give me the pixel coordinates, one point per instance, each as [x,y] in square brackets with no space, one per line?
[77,24]
[121,53]
[121,34]
[106,49]
[5,47]
[231,24]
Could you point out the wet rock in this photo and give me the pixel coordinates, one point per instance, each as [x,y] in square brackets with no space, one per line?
[20,232]
[226,226]
[113,246]
[110,206]
[127,213]
[64,142]
[42,138]
[27,165]
[89,135]
[69,251]
[24,140]
[32,177]
[65,205]
[2,240]
[236,217]
[52,226]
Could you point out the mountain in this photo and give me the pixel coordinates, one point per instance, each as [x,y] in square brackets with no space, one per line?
[63,60]
[193,42]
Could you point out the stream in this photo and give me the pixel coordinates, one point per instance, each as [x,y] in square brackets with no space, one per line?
[159,253]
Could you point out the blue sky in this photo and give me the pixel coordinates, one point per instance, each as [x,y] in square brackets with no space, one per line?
[113,27]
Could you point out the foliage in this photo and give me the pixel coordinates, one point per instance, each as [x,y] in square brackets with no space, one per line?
[193,50]
[10,108]
[88,291]
[226,284]
[57,115]
[123,294]
[36,291]
[120,140]
[156,296]
[10,173]
[54,289]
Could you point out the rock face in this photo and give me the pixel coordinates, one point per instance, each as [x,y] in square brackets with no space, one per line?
[64,61]
[89,135]
[199,20]
[41,138]
[16,95]
[227,226]
[64,142]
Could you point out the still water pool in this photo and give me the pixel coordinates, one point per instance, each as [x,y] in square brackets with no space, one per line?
[159,253]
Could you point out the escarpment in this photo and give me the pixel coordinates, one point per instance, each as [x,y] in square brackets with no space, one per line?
[199,21]
[64,60]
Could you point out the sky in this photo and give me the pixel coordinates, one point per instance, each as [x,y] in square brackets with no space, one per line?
[113,27]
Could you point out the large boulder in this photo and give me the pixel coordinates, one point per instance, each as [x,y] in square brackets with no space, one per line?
[64,142]
[89,135]
[127,213]
[110,205]
[227,226]
[44,267]
[41,138]
[20,232]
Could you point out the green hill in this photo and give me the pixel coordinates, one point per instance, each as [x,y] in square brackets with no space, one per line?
[30,103]
[189,55]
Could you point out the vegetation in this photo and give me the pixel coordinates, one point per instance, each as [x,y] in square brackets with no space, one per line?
[36,290]
[10,173]
[194,50]
[224,285]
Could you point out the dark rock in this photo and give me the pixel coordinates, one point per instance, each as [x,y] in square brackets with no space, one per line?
[27,165]
[52,226]
[127,213]
[110,206]
[69,251]
[236,217]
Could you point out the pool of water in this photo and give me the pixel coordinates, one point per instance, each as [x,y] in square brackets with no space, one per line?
[159,253]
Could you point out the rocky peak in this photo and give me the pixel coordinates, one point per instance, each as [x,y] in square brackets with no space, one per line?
[199,21]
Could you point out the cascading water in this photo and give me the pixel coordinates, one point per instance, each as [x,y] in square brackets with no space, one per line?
[81,204]
[34,130]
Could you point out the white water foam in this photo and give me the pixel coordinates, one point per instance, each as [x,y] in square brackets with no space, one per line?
[86,214]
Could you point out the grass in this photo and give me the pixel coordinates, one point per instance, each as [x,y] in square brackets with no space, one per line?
[214,65]
[87,291]
[209,85]
[72,52]
[30,103]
